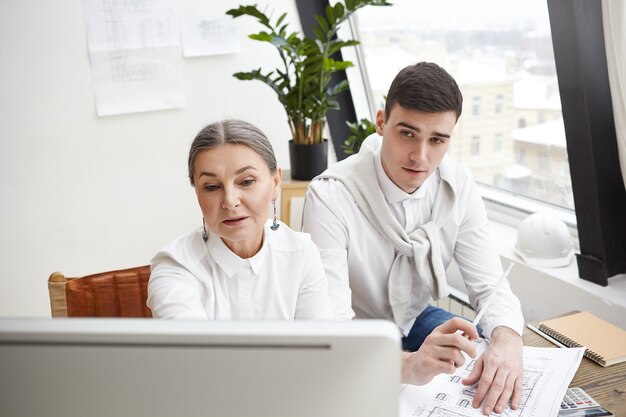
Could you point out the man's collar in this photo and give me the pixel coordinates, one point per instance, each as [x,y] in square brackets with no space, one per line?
[447,173]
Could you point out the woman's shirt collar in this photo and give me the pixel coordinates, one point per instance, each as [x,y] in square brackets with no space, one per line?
[229,261]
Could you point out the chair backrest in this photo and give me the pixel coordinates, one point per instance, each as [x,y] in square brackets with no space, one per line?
[121,293]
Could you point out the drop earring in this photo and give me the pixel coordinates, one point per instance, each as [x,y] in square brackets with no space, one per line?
[275,224]
[205,235]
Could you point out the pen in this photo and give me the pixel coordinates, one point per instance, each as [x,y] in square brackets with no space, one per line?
[545,336]
[484,307]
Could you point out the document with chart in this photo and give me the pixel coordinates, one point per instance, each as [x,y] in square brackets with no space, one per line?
[134,52]
[547,374]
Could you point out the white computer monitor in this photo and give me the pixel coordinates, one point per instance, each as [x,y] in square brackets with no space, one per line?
[154,368]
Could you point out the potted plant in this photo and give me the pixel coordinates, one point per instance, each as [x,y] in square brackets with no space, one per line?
[360,131]
[303,82]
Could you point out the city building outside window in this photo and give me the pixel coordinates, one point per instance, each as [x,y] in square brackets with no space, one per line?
[499,103]
[475,150]
[497,148]
[475,106]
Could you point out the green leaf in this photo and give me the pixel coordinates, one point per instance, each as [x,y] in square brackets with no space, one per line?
[251,10]
[311,46]
[337,45]
[282,43]
[333,104]
[280,19]
[261,36]
[339,11]
[251,75]
[338,88]
[330,15]
[319,33]
[257,75]
[294,40]
[332,65]
[322,23]
[360,131]
[320,45]
[282,31]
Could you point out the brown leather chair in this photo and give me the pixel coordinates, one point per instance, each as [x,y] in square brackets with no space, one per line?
[120,293]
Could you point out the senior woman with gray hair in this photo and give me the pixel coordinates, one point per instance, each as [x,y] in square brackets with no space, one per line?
[239,264]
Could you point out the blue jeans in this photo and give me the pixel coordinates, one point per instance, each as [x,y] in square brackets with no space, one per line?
[424,324]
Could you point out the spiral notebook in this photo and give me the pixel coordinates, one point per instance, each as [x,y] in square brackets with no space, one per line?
[605,343]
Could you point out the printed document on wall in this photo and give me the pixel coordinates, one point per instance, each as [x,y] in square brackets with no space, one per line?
[209,34]
[134,48]
[547,374]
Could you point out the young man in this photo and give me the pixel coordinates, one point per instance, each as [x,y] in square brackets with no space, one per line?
[389,220]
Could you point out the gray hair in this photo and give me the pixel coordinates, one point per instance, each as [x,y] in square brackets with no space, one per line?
[231,132]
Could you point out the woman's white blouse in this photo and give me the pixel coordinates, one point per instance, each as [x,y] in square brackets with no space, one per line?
[191,279]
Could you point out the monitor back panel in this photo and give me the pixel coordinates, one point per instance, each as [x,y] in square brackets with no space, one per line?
[153,368]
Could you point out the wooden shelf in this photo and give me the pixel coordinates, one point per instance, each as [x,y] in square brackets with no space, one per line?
[289,189]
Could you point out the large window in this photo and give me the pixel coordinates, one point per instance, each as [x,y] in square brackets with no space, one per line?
[500,53]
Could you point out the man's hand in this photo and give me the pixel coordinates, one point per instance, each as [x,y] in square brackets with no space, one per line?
[499,372]
[440,352]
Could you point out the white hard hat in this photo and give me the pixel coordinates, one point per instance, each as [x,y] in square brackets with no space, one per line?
[543,240]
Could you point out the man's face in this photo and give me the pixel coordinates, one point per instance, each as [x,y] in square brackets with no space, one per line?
[414,143]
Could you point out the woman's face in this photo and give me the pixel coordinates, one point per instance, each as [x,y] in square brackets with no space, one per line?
[235,189]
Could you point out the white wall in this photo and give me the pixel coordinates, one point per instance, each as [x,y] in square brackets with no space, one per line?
[83,194]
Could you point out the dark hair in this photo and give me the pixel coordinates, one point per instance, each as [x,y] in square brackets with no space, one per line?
[233,132]
[425,87]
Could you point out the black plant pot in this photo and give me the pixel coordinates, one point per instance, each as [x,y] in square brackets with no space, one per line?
[308,161]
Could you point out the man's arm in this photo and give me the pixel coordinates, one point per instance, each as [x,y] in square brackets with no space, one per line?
[322,219]
[499,371]
[479,262]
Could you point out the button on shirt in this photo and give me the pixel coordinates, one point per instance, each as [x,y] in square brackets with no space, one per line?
[191,279]
[358,259]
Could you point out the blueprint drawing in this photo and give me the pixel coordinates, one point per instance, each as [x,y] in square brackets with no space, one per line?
[547,374]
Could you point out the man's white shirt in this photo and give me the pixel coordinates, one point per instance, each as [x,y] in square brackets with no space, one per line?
[358,259]
[191,279]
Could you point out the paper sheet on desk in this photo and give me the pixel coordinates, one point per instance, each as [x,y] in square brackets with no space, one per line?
[547,374]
